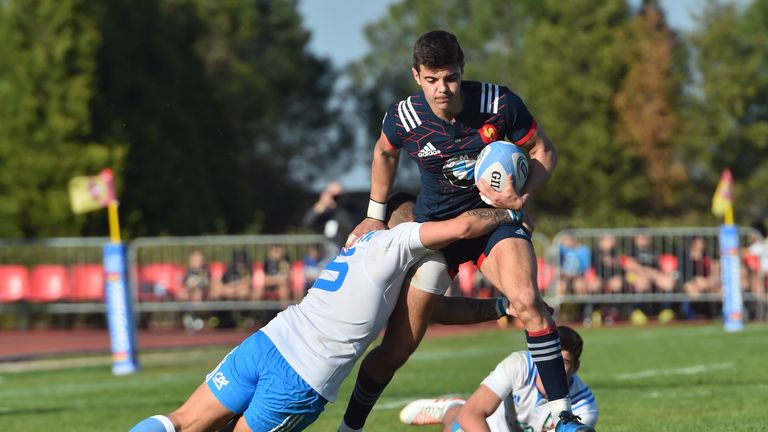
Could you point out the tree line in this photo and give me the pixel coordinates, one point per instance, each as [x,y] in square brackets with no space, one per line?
[217,118]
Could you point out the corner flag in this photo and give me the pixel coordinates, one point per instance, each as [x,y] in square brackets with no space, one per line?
[89,193]
[722,200]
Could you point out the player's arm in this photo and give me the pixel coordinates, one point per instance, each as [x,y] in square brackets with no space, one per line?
[469,310]
[470,224]
[478,408]
[383,170]
[543,159]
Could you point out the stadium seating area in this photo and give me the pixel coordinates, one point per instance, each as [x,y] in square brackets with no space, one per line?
[611,273]
[45,283]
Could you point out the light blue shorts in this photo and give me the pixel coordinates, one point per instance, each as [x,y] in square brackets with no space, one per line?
[255,380]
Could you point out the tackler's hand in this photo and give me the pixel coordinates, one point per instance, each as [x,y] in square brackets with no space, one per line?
[367,225]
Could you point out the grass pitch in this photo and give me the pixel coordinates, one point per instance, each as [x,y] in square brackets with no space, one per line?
[674,378]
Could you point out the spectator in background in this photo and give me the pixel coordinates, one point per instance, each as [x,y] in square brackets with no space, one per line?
[313,265]
[236,280]
[328,217]
[607,264]
[575,260]
[645,276]
[276,276]
[643,272]
[756,259]
[698,275]
[608,279]
[197,286]
[197,278]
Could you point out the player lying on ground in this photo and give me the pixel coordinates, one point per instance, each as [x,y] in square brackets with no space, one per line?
[443,128]
[511,398]
[281,377]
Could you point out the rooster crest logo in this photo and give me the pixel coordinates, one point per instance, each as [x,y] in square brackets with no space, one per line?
[488,133]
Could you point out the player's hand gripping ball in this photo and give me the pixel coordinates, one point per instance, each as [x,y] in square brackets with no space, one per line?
[496,161]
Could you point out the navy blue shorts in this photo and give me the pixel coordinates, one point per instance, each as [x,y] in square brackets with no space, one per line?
[477,249]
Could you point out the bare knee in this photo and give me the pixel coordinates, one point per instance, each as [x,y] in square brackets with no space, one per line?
[523,301]
[532,310]
[202,411]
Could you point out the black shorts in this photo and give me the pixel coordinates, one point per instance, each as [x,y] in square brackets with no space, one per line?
[477,249]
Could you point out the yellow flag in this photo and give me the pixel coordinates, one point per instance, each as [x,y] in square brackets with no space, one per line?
[722,200]
[88,193]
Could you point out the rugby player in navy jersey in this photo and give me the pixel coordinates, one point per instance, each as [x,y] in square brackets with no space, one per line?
[443,127]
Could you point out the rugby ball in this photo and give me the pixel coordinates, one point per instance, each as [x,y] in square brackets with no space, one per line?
[496,161]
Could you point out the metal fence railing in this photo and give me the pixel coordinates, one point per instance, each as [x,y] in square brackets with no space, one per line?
[581,272]
[253,272]
[650,270]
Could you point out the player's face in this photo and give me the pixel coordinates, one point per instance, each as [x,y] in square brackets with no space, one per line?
[569,362]
[442,87]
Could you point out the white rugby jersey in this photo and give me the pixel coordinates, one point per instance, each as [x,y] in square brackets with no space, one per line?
[514,381]
[347,307]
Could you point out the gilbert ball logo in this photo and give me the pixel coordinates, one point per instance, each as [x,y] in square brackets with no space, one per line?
[488,133]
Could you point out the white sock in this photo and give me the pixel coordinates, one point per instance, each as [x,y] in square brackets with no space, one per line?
[558,406]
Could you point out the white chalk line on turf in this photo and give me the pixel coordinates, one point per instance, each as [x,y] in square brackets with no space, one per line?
[146,359]
[478,351]
[689,370]
[75,389]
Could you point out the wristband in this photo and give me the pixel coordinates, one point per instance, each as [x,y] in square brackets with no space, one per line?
[501,306]
[377,210]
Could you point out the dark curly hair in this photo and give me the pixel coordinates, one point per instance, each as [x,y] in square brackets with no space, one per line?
[436,50]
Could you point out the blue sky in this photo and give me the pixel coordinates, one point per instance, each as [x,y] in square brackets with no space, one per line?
[337,25]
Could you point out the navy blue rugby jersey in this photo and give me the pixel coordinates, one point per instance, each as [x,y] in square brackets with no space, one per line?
[446,152]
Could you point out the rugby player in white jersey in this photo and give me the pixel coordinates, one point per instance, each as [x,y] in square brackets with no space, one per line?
[281,377]
[511,398]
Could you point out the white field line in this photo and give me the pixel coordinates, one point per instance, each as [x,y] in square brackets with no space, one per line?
[477,351]
[689,370]
[125,384]
[145,359]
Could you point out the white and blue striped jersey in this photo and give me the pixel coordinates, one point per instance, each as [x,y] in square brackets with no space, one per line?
[347,307]
[514,382]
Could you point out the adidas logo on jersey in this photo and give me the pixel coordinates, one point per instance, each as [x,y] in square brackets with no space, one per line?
[428,150]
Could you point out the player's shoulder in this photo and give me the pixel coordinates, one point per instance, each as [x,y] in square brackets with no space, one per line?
[408,113]
[519,364]
[482,87]
[579,390]
[405,227]
[399,233]
[577,382]
[490,98]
